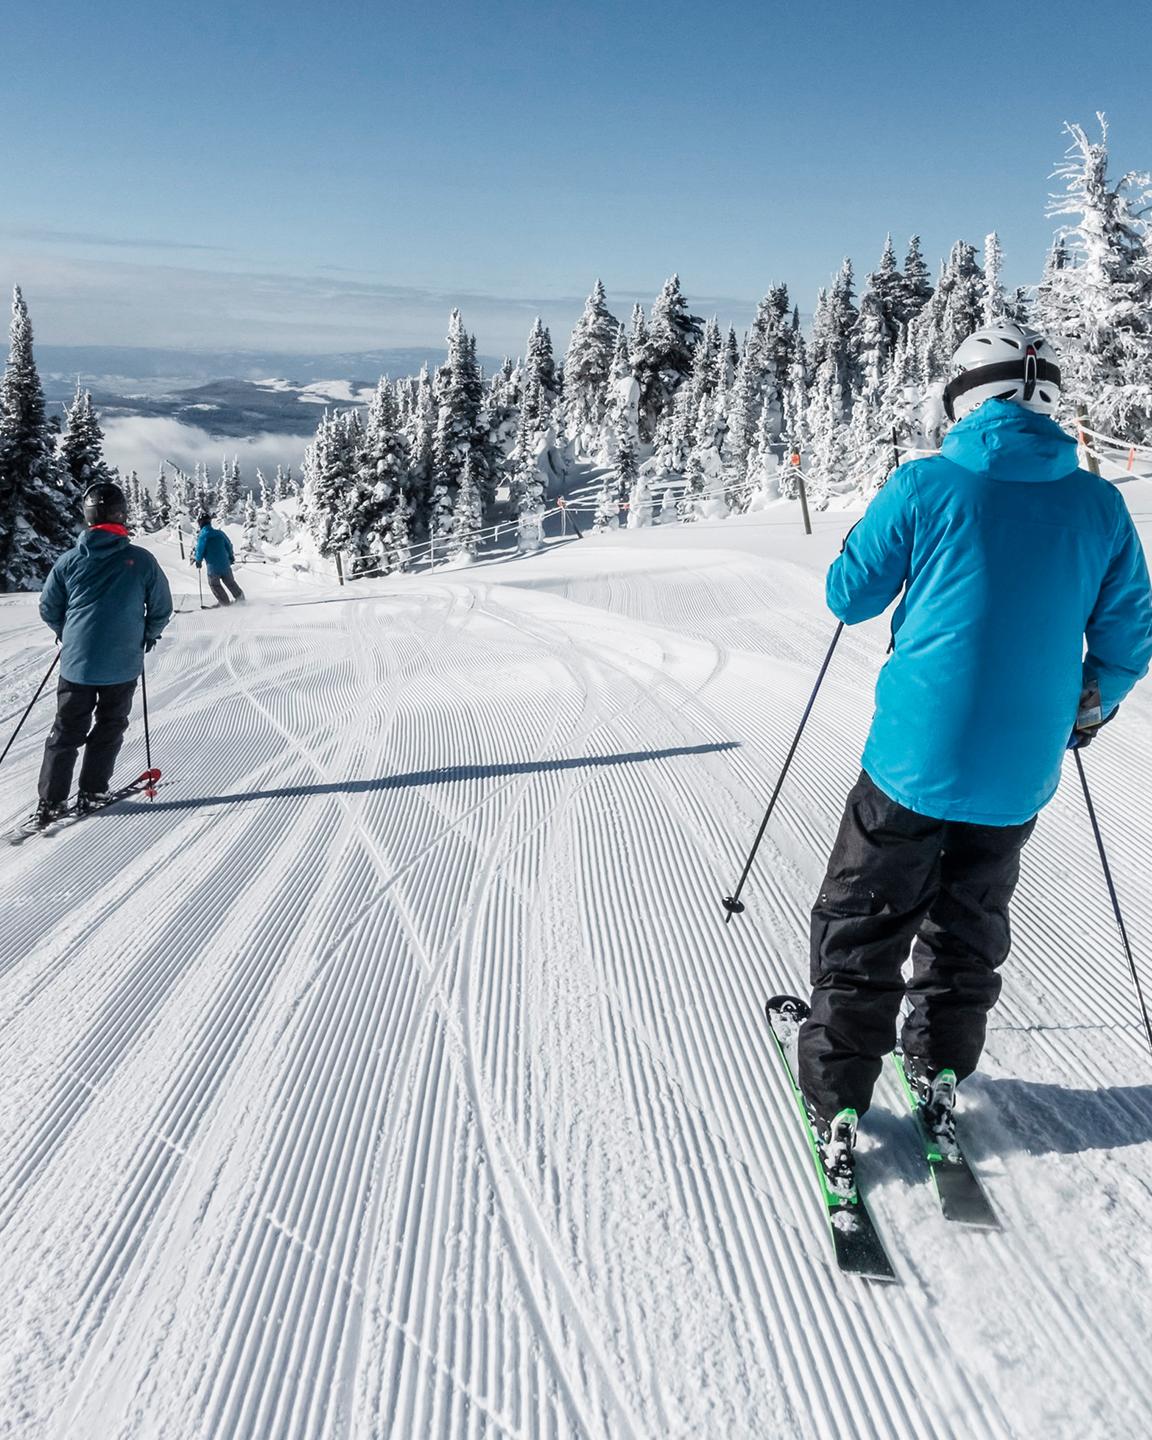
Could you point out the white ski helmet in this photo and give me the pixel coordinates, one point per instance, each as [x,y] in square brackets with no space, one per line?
[1003,362]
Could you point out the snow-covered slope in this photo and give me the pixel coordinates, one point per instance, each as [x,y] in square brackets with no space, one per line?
[395,1075]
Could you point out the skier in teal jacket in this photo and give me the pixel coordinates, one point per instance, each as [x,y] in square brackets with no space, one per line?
[1025,620]
[214,549]
[107,602]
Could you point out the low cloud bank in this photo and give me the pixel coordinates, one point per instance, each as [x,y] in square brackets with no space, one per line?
[140,443]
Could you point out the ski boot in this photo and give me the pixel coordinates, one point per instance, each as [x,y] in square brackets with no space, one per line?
[836,1151]
[89,800]
[936,1101]
[44,814]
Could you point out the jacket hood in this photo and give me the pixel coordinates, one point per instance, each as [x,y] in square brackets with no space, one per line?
[93,540]
[1004,441]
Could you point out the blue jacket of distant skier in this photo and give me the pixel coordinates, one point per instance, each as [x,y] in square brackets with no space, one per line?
[1009,556]
[104,599]
[215,549]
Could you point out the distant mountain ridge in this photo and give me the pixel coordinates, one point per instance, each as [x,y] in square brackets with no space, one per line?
[234,393]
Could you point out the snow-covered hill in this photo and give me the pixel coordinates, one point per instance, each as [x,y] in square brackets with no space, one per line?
[394,1074]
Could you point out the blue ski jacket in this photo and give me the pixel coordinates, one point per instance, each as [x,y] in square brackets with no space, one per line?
[104,599]
[1009,557]
[214,548]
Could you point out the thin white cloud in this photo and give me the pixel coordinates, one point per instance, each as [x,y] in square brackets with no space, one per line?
[141,442]
[99,301]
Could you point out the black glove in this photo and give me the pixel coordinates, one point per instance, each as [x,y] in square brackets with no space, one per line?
[151,644]
[1090,718]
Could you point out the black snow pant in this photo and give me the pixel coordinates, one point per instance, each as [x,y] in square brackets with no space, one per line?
[221,584]
[895,877]
[75,705]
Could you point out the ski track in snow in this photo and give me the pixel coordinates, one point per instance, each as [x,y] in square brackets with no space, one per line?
[394,1073]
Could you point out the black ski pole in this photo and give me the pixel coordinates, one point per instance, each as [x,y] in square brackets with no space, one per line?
[1114,898]
[151,789]
[39,691]
[732,903]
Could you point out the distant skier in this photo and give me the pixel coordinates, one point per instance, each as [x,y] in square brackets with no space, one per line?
[1009,557]
[214,549]
[108,603]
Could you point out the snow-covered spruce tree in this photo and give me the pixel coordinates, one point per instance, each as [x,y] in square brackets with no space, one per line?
[468,514]
[796,430]
[889,287]
[995,301]
[743,404]
[1096,306]
[80,448]
[731,358]
[40,510]
[918,288]
[630,484]
[824,461]
[229,500]
[459,392]
[607,514]
[689,506]
[383,501]
[526,489]
[163,499]
[420,433]
[330,475]
[663,359]
[540,382]
[279,486]
[588,371]
[251,523]
[834,336]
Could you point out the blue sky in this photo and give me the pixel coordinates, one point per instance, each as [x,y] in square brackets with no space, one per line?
[336,176]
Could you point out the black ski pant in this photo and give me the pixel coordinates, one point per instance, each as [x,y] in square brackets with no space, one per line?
[894,878]
[222,584]
[74,727]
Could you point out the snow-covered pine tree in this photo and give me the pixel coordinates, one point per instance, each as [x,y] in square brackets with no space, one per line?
[330,476]
[229,500]
[588,371]
[995,302]
[251,522]
[630,484]
[468,514]
[834,337]
[918,288]
[163,499]
[459,396]
[80,448]
[421,436]
[663,361]
[796,430]
[889,287]
[743,403]
[692,497]
[540,382]
[383,498]
[40,505]
[731,358]
[279,486]
[1096,307]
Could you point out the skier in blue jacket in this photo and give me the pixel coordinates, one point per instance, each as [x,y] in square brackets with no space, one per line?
[214,549]
[107,602]
[1025,620]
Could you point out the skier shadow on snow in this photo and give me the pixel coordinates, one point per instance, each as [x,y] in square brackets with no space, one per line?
[449,774]
[1041,1119]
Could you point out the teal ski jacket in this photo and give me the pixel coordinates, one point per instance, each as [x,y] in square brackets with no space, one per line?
[1023,580]
[104,599]
[215,548]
